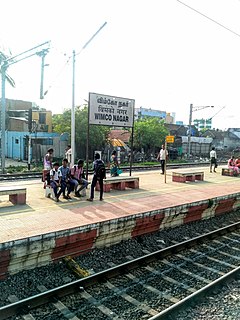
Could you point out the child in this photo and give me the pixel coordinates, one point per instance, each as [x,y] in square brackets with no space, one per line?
[78,178]
[65,180]
[54,180]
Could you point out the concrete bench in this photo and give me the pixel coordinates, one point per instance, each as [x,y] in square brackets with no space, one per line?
[17,195]
[187,176]
[229,172]
[119,183]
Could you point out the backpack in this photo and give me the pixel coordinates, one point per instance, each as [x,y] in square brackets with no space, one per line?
[100,170]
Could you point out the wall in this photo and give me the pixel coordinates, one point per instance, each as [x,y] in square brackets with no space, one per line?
[16,144]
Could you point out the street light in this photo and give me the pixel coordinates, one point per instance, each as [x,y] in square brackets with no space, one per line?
[192,109]
[73,95]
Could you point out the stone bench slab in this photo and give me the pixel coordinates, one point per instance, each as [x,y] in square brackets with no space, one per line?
[187,176]
[119,183]
[17,195]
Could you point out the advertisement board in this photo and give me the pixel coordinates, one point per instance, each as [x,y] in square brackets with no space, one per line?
[110,111]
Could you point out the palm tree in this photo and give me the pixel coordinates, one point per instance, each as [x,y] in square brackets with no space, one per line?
[9,79]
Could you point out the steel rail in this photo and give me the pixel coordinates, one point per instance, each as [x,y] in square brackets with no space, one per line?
[172,310]
[27,304]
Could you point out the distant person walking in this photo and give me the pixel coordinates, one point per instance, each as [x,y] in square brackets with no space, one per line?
[213,160]
[98,175]
[162,156]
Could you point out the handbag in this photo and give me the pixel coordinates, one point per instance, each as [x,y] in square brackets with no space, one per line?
[119,171]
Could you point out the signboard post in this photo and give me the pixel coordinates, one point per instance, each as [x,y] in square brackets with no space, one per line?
[169,139]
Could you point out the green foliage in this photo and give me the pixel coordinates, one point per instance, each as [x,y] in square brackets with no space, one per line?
[62,122]
[97,134]
[13,169]
[149,134]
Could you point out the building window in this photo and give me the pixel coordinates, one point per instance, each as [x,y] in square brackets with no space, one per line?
[17,141]
[45,142]
[42,118]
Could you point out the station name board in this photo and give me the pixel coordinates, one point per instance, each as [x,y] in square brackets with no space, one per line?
[110,111]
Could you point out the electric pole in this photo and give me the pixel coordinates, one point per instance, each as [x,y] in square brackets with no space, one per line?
[42,54]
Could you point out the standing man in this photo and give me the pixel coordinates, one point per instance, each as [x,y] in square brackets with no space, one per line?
[162,156]
[68,154]
[213,160]
[98,175]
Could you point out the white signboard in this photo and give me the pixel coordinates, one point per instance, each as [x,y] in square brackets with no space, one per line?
[110,111]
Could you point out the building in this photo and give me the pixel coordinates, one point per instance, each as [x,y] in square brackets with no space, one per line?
[25,119]
[16,145]
[19,113]
[141,113]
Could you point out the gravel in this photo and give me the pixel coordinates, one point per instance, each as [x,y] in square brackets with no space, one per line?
[24,284]
[223,304]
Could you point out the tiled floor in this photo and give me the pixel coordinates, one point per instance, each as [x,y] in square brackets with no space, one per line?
[42,215]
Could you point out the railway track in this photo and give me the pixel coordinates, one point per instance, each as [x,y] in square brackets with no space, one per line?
[38,175]
[155,286]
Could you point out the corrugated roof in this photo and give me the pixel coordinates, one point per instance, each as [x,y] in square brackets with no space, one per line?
[117,143]
[123,135]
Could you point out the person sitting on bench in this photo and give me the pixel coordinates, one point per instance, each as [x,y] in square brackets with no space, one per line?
[78,177]
[114,166]
[232,165]
[54,180]
[65,180]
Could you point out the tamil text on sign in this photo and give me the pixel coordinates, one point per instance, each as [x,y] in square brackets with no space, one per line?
[110,111]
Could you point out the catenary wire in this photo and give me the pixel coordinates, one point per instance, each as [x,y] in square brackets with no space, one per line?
[207,17]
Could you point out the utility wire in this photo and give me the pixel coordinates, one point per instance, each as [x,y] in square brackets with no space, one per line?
[205,16]
[58,75]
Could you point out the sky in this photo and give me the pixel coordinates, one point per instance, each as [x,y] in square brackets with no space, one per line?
[161,53]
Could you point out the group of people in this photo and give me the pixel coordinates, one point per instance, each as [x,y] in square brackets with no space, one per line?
[65,179]
[234,164]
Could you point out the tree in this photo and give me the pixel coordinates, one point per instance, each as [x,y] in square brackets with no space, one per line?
[149,134]
[98,135]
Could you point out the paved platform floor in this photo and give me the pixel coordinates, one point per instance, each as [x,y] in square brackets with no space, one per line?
[42,215]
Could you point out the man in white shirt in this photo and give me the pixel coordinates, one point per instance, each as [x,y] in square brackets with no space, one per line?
[68,154]
[213,160]
[162,156]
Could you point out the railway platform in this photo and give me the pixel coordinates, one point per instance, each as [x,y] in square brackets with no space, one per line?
[43,230]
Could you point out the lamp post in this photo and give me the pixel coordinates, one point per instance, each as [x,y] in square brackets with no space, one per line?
[192,108]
